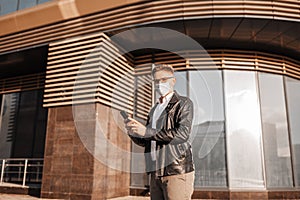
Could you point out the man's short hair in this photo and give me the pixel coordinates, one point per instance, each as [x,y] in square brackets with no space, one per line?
[162,67]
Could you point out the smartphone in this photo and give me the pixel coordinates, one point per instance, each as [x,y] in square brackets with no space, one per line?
[124,114]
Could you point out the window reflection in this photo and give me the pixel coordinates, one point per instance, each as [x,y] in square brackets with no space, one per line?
[26,4]
[22,125]
[293,99]
[0,106]
[243,129]
[9,107]
[275,131]
[8,6]
[249,121]
[143,104]
[42,1]
[181,82]
[208,137]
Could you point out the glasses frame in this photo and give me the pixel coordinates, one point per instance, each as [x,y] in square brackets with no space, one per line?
[163,80]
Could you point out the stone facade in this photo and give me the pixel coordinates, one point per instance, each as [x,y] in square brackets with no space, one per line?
[70,169]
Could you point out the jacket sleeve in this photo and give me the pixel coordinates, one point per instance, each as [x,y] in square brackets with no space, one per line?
[137,139]
[181,132]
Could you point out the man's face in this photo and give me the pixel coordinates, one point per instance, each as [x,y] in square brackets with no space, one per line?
[163,77]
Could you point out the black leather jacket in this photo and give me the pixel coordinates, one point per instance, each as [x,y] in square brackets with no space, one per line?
[172,133]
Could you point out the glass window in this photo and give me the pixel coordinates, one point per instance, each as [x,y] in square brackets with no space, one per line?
[275,131]
[31,126]
[293,99]
[27,4]
[43,1]
[208,137]
[138,165]
[243,129]
[23,125]
[8,6]
[143,103]
[9,109]
[181,83]
[0,106]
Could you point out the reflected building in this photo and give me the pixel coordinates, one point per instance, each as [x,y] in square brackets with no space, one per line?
[208,143]
[68,67]
[279,156]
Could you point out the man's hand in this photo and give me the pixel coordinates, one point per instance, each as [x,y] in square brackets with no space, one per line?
[133,126]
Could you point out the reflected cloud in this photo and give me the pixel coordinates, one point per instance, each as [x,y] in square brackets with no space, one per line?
[244,109]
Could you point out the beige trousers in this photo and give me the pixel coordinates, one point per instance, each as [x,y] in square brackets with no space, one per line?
[176,187]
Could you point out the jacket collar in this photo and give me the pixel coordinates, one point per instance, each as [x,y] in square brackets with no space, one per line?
[173,100]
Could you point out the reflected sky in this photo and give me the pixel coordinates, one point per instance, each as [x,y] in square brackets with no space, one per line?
[243,129]
[293,98]
[206,93]
[181,83]
[8,6]
[26,4]
[242,103]
[274,111]
[275,131]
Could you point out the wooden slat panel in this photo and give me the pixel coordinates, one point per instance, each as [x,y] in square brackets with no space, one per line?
[223,59]
[71,82]
[63,71]
[143,99]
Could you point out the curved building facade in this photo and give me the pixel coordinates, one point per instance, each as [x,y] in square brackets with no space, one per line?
[61,56]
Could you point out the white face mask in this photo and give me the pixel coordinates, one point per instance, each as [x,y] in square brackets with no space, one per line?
[163,88]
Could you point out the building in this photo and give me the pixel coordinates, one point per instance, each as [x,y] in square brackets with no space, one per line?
[68,67]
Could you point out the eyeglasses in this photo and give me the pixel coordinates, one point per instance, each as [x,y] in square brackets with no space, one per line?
[162,80]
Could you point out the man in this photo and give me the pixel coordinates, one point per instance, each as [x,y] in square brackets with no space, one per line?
[165,137]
